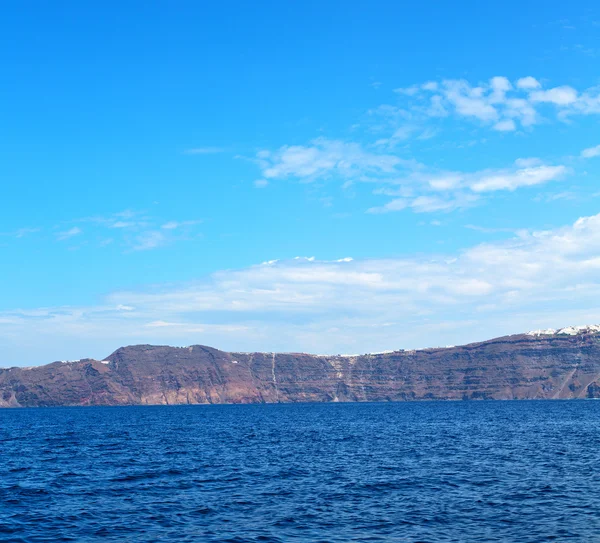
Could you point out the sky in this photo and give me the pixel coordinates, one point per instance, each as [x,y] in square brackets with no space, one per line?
[325,177]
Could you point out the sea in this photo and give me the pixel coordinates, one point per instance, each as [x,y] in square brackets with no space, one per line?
[515,471]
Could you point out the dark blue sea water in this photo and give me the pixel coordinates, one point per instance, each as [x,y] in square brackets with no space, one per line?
[472,471]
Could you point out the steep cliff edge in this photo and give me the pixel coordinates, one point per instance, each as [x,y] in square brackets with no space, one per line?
[548,364]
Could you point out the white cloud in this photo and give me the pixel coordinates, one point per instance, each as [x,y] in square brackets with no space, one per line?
[408,91]
[126,219]
[470,101]
[430,86]
[506,125]
[133,230]
[204,151]
[68,234]
[528,162]
[460,190]
[162,324]
[397,204]
[523,177]
[591,152]
[261,183]
[528,83]
[587,104]
[149,240]
[500,86]
[535,279]
[411,181]
[324,158]
[555,196]
[174,225]
[153,237]
[498,103]
[427,204]
[445,181]
[20,232]
[521,109]
[559,96]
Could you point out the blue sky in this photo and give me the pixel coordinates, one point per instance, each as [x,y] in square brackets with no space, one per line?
[433,166]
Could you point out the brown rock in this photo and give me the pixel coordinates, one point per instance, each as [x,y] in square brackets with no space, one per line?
[556,366]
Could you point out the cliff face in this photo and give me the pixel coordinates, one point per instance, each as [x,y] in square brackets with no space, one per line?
[545,364]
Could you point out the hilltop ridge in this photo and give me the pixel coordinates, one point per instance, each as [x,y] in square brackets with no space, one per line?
[551,364]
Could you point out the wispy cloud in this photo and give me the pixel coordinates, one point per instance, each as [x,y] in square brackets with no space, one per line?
[487,230]
[591,152]
[557,196]
[204,151]
[175,225]
[132,230]
[421,189]
[427,204]
[149,240]
[126,219]
[68,234]
[388,162]
[324,158]
[20,232]
[511,180]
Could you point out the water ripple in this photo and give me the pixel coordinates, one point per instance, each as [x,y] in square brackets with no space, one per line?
[415,472]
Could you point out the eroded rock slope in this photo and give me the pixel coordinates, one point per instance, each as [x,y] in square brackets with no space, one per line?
[557,364]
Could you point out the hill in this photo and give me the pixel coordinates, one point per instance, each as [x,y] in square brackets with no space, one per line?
[551,364]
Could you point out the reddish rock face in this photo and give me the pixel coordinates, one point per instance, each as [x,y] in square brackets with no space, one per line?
[550,366]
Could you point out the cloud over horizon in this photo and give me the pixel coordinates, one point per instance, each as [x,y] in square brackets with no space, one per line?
[344,305]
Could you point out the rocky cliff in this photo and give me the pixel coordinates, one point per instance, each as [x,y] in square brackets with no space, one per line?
[558,364]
